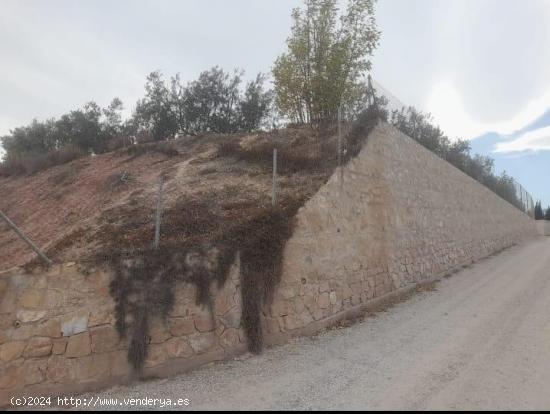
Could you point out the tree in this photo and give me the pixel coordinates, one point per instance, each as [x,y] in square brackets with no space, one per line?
[155,112]
[458,154]
[418,126]
[255,105]
[325,61]
[113,118]
[82,129]
[547,215]
[36,138]
[539,213]
[214,103]
[88,130]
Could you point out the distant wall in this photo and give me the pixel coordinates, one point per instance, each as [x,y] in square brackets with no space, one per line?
[543,227]
[394,216]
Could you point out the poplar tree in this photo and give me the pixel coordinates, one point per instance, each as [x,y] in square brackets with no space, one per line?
[327,58]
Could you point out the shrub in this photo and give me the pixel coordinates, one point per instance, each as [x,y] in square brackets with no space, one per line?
[539,213]
[161,147]
[31,164]
[119,142]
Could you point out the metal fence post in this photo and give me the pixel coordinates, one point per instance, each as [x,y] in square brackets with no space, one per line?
[158,214]
[339,135]
[25,238]
[274,184]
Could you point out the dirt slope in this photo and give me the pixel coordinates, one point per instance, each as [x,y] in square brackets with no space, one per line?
[74,210]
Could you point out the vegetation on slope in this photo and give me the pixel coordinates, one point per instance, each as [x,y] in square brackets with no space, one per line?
[540,213]
[204,231]
[221,214]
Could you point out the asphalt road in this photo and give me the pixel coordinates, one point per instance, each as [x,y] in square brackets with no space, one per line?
[480,340]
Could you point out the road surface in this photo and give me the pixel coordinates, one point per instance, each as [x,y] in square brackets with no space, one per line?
[481,340]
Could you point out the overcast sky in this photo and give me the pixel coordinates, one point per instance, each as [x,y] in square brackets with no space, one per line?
[479,66]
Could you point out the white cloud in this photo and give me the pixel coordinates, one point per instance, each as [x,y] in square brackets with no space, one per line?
[536,140]
[446,105]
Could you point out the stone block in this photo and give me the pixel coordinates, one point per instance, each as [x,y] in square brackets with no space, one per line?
[59,345]
[8,303]
[75,323]
[204,323]
[103,316]
[12,375]
[21,333]
[156,355]
[11,350]
[305,318]
[231,319]
[26,316]
[118,362]
[34,371]
[60,370]
[229,338]
[223,302]
[181,326]
[299,305]
[324,286]
[78,345]
[291,322]
[178,348]
[202,342]
[54,298]
[159,332]
[32,298]
[280,307]
[50,328]
[104,339]
[92,367]
[272,325]
[287,292]
[38,347]
[324,300]
[317,314]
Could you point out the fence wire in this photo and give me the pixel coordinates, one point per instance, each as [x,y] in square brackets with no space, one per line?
[524,200]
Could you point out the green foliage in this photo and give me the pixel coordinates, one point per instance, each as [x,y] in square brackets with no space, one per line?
[539,213]
[255,105]
[155,112]
[326,59]
[36,138]
[31,164]
[85,130]
[215,102]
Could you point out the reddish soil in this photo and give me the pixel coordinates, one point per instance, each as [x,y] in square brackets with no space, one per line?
[66,210]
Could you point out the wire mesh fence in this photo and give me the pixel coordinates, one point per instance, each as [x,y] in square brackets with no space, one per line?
[525,199]
[505,186]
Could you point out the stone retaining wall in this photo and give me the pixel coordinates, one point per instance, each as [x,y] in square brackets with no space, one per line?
[395,216]
[58,332]
[543,227]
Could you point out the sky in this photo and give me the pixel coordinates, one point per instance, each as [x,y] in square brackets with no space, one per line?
[480,67]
